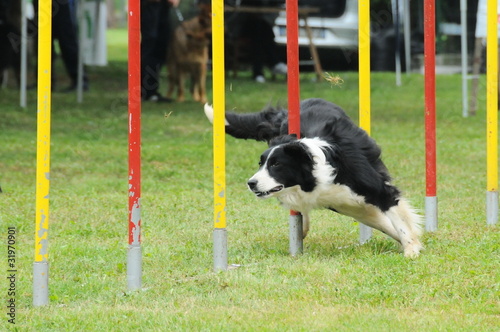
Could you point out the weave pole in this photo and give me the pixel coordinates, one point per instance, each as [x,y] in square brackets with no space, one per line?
[492,114]
[134,253]
[365,232]
[219,140]
[431,221]
[41,264]
[293,80]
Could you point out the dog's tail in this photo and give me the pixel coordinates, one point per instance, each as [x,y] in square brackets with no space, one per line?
[209,112]
[261,126]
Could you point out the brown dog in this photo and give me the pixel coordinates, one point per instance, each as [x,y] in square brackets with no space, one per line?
[188,54]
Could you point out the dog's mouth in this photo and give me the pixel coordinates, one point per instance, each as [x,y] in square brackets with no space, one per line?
[264,194]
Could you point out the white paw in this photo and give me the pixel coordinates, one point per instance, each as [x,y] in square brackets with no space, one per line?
[412,250]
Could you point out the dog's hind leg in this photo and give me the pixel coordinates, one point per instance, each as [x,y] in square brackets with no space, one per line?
[407,224]
[180,86]
[171,85]
[377,219]
[195,84]
[202,84]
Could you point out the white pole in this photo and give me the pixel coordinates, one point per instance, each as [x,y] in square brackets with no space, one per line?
[40,283]
[96,31]
[296,234]
[395,18]
[407,34]
[220,249]
[465,62]
[365,233]
[134,267]
[491,207]
[431,212]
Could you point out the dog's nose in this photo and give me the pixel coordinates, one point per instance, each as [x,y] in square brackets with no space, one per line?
[252,184]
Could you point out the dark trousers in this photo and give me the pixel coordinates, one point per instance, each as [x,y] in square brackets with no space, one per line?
[155,35]
[261,37]
[64,29]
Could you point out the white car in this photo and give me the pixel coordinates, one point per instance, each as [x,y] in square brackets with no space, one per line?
[334,26]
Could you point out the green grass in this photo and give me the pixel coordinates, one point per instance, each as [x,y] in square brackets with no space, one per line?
[335,285]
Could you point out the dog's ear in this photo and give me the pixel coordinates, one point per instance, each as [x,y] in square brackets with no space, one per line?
[297,151]
[282,140]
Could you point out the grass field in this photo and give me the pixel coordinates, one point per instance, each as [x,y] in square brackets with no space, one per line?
[335,285]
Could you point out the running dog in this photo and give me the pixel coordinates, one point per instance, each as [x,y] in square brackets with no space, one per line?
[336,166]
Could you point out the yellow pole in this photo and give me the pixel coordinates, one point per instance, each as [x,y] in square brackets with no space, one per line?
[365,232]
[364,64]
[40,277]
[492,113]
[219,141]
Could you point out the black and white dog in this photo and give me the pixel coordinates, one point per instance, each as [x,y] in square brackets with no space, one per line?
[336,165]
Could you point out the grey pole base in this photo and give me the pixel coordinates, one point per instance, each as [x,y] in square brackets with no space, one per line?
[296,234]
[491,207]
[220,249]
[134,267]
[40,283]
[431,220]
[365,233]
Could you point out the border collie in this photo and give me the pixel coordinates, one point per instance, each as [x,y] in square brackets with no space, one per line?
[336,166]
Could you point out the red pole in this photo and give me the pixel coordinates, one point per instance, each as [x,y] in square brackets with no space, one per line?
[134,143]
[292,51]
[430,97]
[134,107]
[430,113]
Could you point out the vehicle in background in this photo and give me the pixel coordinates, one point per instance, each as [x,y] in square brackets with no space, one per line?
[334,26]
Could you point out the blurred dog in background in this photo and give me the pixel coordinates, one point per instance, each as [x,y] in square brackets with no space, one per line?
[188,55]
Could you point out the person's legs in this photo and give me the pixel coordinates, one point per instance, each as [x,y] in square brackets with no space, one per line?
[155,35]
[270,56]
[251,29]
[64,30]
[263,46]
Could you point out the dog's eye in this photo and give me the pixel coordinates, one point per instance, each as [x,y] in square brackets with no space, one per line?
[275,164]
[260,164]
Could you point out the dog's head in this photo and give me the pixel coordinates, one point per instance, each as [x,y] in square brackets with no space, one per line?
[205,16]
[198,29]
[286,164]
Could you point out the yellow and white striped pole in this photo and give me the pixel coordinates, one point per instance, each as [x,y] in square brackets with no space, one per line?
[365,232]
[492,113]
[41,264]
[219,140]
